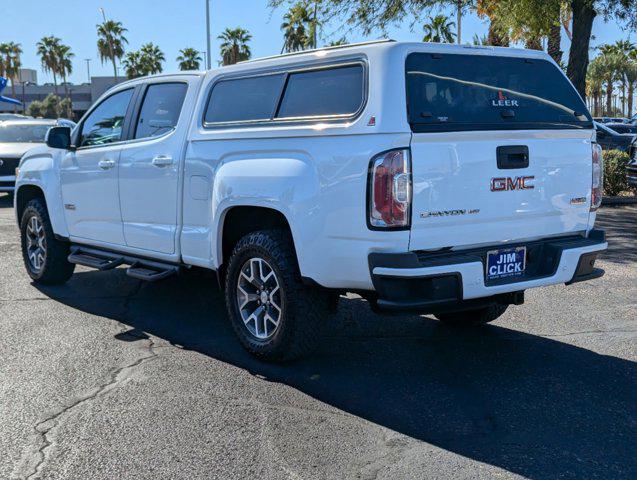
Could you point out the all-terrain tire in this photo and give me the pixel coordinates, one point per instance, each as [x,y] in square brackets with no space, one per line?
[303,309]
[54,267]
[472,318]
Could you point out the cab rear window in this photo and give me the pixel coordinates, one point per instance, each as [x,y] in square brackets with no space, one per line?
[453,92]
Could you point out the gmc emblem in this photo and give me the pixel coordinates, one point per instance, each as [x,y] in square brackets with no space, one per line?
[502,184]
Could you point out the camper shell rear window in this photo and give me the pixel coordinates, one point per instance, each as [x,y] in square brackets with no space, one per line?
[455,92]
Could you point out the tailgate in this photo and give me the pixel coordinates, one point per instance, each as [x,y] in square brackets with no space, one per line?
[463,195]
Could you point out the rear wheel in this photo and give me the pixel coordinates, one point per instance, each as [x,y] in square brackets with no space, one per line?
[45,257]
[469,318]
[275,315]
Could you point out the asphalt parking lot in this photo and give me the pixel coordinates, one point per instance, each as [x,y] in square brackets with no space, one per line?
[107,377]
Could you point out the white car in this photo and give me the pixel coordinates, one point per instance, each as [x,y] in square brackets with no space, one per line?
[430,178]
[16,137]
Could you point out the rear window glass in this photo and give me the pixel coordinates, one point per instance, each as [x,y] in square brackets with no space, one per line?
[244,99]
[333,91]
[160,110]
[452,92]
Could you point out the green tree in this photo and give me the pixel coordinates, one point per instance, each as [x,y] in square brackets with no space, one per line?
[132,63]
[152,58]
[439,30]
[234,47]
[294,26]
[337,43]
[51,107]
[595,85]
[301,23]
[46,49]
[11,52]
[110,42]
[65,68]
[189,59]
[498,36]
[373,15]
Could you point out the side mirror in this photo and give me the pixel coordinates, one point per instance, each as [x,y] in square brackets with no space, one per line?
[59,137]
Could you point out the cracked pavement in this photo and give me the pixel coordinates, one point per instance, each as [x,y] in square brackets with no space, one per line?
[108,377]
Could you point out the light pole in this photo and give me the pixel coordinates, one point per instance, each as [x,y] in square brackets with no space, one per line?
[208,60]
[24,103]
[88,69]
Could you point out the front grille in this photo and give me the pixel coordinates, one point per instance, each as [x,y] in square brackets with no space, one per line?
[8,166]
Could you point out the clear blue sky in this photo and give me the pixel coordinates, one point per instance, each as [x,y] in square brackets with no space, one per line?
[177,24]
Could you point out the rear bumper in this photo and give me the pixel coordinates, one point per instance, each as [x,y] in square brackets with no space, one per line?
[439,281]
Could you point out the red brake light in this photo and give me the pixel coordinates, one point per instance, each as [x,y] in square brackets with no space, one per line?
[597,183]
[390,190]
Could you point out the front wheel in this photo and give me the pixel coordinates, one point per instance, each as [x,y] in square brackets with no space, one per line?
[45,257]
[275,316]
[472,318]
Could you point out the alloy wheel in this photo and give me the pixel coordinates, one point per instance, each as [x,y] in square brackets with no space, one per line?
[36,244]
[259,298]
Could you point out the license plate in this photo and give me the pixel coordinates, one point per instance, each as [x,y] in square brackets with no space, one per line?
[506,263]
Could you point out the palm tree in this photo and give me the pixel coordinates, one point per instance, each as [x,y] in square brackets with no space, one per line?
[152,58]
[611,64]
[11,63]
[133,65]
[295,25]
[339,42]
[46,49]
[497,35]
[235,45]
[595,84]
[110,42]
[630,73]
[189,59]
[4,48]
[439,30]
[65,68]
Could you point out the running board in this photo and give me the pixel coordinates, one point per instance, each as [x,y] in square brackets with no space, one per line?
[139,268]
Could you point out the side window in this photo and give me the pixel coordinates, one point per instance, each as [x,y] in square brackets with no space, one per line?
[160,109]
[104,124]
[244,99]
[334,91]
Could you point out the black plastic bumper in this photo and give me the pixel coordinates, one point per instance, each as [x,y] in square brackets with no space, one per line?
[443,292]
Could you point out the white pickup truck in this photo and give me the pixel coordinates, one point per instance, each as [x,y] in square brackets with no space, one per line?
[430,178]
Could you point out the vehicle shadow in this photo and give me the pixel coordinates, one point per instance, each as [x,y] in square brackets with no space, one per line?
[6,201]
[534,406]
[621,225]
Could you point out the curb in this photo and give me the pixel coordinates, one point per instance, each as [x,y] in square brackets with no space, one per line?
[615,201]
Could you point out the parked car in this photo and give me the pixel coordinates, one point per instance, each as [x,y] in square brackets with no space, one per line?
[12,116]
[606,120]
[631,169]
[623,128]
[436,179]
[609,139]
[16,137]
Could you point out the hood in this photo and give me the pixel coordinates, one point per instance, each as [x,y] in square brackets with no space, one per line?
[16,150]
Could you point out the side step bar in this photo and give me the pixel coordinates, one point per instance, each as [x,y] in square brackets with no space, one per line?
[139,268]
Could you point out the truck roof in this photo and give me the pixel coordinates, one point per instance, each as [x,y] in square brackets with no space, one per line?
[368,48]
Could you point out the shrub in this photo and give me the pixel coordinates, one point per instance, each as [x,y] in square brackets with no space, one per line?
[51,107]
[615,172]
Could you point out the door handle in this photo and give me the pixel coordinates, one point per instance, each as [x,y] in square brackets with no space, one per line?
[162,161]
[106,164]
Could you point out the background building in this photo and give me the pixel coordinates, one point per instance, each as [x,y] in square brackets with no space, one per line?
[82,96]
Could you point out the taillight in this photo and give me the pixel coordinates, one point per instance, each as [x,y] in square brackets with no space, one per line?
[390,190]
[598,177]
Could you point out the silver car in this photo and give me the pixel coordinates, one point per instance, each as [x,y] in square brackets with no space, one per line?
[16,137]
